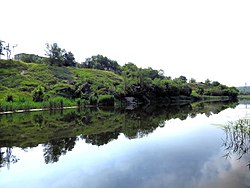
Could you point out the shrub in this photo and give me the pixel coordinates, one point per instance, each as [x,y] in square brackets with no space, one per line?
[9,98]
[38,94]
[93,100]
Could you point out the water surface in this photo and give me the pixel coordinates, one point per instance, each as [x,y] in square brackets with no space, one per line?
[159,147]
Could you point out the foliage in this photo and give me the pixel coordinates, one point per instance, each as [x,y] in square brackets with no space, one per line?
[58,103]
[69,59]
[9,98]
[151,84]
[237,138]
[93,100]
[102,63]
[38,94]
[59,56]
[55,54]
[145,84]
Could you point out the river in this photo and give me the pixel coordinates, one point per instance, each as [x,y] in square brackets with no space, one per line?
[163,146]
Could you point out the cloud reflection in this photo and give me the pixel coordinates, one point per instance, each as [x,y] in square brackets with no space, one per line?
[214,172]
[221,172]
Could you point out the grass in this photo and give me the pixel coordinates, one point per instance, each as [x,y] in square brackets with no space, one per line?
[23,104]
[19,79]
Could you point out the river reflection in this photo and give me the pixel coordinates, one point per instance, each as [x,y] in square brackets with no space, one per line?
[58,131]
[178,147]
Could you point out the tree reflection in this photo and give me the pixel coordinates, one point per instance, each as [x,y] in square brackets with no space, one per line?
[58,131]
[102,138]
[55,148]
[237,139]
[6,157]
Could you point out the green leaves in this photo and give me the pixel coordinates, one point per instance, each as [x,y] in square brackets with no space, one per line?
[102,63]
[59,56]
[38,94]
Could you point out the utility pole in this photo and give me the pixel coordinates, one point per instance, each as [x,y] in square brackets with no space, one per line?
[8,51]
[14,45]
[1,48]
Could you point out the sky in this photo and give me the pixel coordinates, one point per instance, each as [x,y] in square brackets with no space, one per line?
[198,39]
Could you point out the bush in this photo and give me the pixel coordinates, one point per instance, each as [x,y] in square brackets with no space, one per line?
[93,100]
[9,98]
[38,94]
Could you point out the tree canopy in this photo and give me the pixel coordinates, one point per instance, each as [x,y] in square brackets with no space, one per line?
[103,63]
[59,56]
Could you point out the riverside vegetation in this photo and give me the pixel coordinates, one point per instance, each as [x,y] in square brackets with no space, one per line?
[58,80]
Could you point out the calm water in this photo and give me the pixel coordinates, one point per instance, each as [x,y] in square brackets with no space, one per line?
[158,147]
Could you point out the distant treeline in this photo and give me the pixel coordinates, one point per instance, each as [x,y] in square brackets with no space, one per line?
[244,90]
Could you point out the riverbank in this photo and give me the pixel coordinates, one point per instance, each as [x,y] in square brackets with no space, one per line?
[26,86]
[131,103]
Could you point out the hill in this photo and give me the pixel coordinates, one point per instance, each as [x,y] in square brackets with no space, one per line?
[20,79]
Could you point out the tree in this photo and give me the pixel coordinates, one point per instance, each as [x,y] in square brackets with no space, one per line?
[55,53]
[192,80]
[59,56]
[200,90]
[207,82]
[215,83]
[130,69]
[183,78]
[161,73]
[102,63]
[1,48]
[69,59]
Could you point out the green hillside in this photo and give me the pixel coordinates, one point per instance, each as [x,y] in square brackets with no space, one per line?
[34,85]
[19,80]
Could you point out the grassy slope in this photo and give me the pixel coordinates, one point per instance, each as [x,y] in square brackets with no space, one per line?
[19,78]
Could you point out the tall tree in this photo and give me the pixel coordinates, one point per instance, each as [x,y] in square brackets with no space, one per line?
[55,53]
[59,56]
[102,63]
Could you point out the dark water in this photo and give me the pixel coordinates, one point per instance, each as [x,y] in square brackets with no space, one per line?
[181,146]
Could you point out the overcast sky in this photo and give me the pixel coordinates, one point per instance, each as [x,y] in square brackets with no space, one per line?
[194,38]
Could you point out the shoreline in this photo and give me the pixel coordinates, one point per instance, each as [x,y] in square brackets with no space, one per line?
[176,101]
[37,110]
